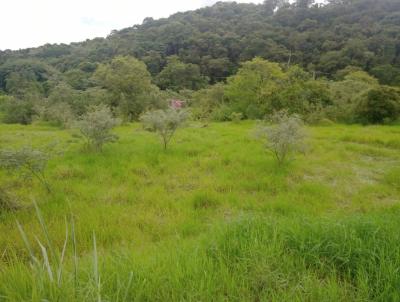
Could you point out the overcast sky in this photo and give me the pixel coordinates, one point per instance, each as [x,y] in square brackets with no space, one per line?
[31,23]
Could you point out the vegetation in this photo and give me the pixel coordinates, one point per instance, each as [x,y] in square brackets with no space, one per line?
[379,105]
[212,219]
[316,60]
[28,162]
[96,126]
[322,38]
[165,122]
[284,137]
[7,202]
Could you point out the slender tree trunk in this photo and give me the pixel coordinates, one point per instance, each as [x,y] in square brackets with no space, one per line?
[165,141]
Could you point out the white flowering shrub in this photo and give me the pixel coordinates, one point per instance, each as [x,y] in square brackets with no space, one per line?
[284,136]
[28,162]
[165,122]
[96,126]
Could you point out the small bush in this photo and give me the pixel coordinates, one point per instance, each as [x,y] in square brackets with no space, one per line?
[28,162]
[284,136]
[96,125]
[17,111]
[221,114]
[61,114]
[165,122]
[236,117]
[7,202]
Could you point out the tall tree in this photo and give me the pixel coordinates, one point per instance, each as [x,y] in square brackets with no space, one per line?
[128,81]
[177,76]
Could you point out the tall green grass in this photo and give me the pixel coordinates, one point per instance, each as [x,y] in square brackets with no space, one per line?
[211,219]
[249,259]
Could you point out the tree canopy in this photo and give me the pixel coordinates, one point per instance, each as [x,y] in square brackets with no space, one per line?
[320,38]
[225,59]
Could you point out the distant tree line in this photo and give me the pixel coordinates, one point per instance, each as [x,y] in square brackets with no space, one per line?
[339,61]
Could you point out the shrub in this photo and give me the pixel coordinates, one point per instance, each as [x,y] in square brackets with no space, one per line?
[96,125]
[17,111]
[221,113]
[28,162]
[378,105]
[165,122]
[61,114]
[285,135]
[236,117]
[7,203]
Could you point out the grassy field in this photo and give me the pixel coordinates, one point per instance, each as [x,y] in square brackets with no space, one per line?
[211,219]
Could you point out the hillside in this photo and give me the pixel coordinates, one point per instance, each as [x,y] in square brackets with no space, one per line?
[322,39]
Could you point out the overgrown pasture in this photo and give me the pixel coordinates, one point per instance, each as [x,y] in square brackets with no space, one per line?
[212,218]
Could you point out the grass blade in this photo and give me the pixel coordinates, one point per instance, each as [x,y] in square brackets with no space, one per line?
[45,231]
[96,269]
[74,247]
[60,267]
[26,241]
[46,260]
[128,286]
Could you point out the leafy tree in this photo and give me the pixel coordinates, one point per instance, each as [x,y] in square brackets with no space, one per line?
[17,111]
[387,74]
[96,126]
[92,96]
[128,80]
[177,76]
[250,88]
[25,76]
[205,101]
[302,97]
[216,69]
[345,94]
[65,94]
[378,105]
[78,79]
[154,62]
[61,114]
[23,86]
[165,122]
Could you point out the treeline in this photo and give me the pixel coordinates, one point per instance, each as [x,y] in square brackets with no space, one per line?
[328,60]
[258,89]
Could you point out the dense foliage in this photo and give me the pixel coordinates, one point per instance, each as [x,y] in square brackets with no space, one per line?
[325,59]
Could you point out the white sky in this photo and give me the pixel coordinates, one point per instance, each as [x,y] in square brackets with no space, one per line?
[31,23]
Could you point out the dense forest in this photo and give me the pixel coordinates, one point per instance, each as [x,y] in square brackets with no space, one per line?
[336,61]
